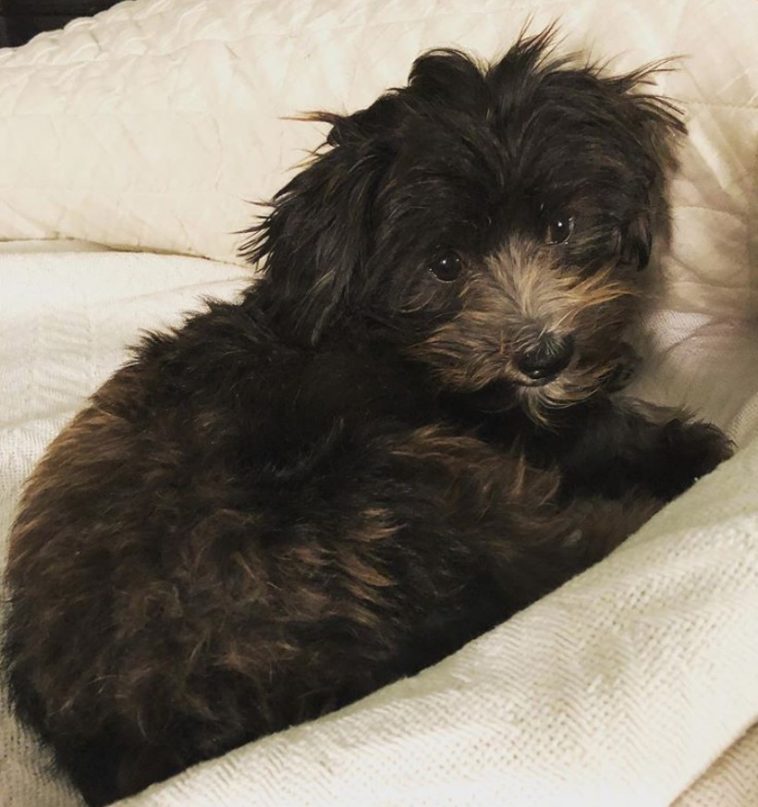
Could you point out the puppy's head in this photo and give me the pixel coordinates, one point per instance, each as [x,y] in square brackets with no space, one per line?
[491,222]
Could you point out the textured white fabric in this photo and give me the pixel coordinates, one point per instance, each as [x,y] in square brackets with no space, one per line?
[732,781]
[620,688]
[149,126]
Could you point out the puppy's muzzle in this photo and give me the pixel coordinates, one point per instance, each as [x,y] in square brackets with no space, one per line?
[548,359]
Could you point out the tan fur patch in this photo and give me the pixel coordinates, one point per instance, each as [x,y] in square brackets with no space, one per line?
[521,294]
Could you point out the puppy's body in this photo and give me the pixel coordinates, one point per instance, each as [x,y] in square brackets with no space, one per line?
[308,538]
[402,435]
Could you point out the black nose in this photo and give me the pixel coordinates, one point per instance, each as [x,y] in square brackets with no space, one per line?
[552,354]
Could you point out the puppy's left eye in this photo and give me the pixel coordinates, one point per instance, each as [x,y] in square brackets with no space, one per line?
[559,228]
[447,267]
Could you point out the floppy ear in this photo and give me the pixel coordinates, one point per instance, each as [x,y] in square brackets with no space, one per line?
[636,240]
[656,125]
[317,236]
[450,77]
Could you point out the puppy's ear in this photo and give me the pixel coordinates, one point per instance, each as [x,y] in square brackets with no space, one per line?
[656,126]
[449,77]
[317,235]
[636,241]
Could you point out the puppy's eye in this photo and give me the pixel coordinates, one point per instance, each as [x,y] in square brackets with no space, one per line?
[559,228]
[447,267]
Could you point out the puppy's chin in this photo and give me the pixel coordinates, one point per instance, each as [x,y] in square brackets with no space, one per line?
[542,404]
[543,401]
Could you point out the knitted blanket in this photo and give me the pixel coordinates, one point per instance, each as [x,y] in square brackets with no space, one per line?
[620,688]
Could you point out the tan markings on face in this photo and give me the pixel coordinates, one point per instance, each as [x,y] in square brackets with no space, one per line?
[517,297]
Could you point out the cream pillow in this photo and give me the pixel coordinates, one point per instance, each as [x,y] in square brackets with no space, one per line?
[152,125]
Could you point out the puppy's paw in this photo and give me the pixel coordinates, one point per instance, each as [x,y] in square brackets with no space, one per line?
[689,450]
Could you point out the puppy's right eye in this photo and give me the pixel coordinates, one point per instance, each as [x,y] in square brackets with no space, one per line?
[447,267]
[559,228]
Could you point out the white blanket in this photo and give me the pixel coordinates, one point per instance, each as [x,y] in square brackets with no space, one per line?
[618,689]
[621,688]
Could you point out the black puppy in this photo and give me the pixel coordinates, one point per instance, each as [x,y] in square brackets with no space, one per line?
[404,433]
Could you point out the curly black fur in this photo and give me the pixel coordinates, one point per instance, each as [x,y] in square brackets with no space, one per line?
[405,432]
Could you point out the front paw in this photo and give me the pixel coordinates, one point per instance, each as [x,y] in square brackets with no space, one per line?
[689,450]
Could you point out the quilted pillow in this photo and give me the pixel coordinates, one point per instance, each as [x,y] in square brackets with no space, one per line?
[152,125]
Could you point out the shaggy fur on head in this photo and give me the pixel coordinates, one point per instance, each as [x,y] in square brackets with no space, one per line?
[408,430]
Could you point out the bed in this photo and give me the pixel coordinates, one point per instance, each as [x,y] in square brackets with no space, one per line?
[133,146]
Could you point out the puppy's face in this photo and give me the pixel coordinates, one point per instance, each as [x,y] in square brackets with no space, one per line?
[492,223]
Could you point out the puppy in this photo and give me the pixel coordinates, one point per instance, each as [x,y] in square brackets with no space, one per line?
[408,430]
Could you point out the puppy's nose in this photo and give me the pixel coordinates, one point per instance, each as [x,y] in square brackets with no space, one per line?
[548,359]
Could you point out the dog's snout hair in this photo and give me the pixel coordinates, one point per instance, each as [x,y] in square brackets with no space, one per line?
[520,297]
